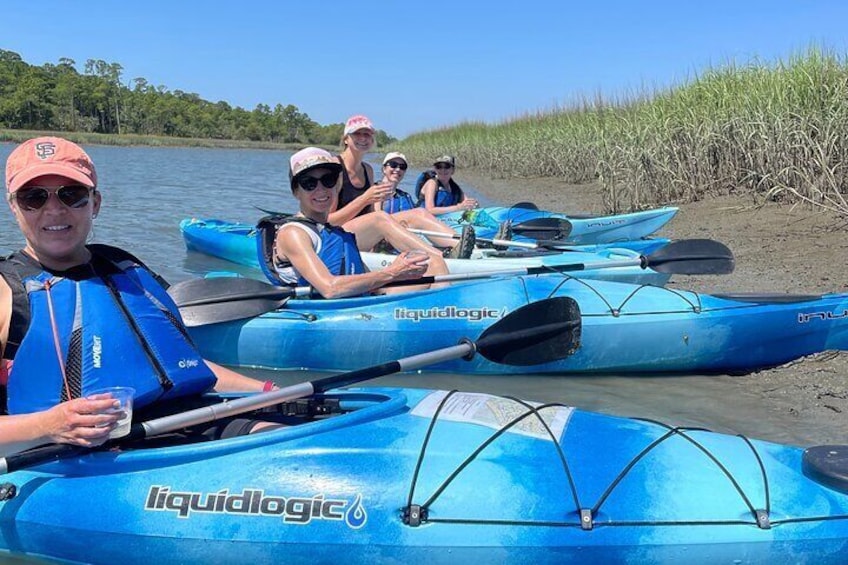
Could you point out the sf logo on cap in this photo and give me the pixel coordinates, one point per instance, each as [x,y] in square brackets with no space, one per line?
[45,149]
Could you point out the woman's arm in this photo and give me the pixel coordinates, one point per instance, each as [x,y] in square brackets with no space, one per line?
[429,191]
[75,422]
[231,381]
[296,246]
[371,198]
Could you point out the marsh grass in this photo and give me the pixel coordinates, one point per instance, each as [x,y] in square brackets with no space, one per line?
[771,131]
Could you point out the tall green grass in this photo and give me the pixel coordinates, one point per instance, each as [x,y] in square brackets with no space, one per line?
[774,131]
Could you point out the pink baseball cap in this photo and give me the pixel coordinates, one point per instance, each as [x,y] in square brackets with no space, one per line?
[309,158]
[356,123]
[49,156]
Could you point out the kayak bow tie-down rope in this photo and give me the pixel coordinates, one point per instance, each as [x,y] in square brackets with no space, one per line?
[539,332]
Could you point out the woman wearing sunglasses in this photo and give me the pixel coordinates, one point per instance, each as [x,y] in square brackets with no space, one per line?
[311,250]
[75,317]
[441,194]
[402,207]
[359,197]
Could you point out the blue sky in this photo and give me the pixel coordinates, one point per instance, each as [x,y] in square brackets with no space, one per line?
[411,65]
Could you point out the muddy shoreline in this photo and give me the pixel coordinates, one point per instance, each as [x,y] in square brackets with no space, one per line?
[778,249]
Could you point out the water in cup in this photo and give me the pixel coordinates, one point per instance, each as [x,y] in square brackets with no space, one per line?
[124,395]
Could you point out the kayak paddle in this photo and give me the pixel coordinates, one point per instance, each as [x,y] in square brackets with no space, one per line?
[539,332]
[223,299]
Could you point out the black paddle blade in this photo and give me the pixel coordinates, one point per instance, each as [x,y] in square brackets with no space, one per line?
[544,228]
[692,257]
[205,314]
[224,299]
[540,332]
[525,206]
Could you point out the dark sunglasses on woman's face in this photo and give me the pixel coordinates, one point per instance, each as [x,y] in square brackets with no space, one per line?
[31,198]
[395,165]
[443,166]
[309,184]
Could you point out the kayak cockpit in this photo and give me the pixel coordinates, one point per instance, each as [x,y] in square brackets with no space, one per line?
[310,416]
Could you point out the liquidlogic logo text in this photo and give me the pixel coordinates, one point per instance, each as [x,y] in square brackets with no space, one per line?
[254,502]
[805,318]
[448,313]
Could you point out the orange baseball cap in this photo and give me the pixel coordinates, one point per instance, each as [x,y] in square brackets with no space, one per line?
[49,156]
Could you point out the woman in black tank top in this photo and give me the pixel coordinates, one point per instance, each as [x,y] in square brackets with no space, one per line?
[355,211]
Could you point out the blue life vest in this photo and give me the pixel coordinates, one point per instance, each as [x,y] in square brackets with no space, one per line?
[399,202]
[116,326]
[336,248]
[445,196]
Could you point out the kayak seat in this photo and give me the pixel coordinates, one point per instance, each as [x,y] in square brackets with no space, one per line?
[769,298]
[827,465]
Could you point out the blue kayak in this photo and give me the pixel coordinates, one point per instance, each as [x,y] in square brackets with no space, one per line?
[626,328]
[418,476]
[583,229]
[236,242]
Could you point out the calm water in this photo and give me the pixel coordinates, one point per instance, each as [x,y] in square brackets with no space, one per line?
[147,191]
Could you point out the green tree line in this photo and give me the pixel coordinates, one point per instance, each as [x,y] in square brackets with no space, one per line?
[57,97]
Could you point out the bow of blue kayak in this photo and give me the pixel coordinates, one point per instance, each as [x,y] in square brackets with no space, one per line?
[401,475]
[583,230]
[236,242]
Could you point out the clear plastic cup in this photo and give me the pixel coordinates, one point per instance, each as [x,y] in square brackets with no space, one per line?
[124,395]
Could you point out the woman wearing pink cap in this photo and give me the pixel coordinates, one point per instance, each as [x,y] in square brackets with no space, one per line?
[308,249]
[358,196]
[75,317]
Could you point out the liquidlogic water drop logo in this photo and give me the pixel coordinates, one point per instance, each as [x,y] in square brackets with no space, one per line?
[356,515]
[255,502]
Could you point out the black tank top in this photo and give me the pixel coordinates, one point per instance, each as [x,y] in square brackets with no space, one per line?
[349,192]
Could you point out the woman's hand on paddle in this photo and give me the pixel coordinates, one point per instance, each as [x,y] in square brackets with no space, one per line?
[409,265]
[468,204]
[80,421]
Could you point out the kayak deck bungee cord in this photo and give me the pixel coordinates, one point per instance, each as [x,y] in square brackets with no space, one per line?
[412,474]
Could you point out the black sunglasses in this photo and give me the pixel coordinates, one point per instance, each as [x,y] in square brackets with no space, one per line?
[33,198]
[443,166]
[395,165]
[309,183]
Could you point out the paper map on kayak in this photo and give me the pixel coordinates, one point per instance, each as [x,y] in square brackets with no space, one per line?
[494,412]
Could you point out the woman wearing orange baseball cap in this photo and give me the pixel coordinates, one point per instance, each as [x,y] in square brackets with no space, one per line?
[75,317]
